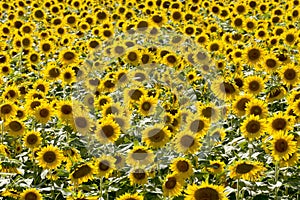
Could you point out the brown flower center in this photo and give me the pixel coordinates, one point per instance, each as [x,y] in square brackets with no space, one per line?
[187,141]
[49,157]
[139,154]
[206,194]
[241,105]
[139,174]
[279,124]
[66,109]
[104,165]
[182,166]
[156,135]
[171,183]
[32,139]
[146,106]
[255,110]
[290,74]
[81,122]
[244,168]
[6,109]
[108,130]
[15,126]
[44,113]
[253,126]
[281,145]
[253,55]
[69,56]
[196,126]
[31,196]
[82,171]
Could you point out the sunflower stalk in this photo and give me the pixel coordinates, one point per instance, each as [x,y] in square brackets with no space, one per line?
[237,189]
[276,179]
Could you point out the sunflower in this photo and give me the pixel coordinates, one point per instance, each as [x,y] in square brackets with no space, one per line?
[253,55]
[31,194]
[50,157]
[209,111]
[64,110]
[283,146]
[270,63]
[240,103]
[140,156]
[257,107]
[46,47]
[32,139]
[276,93]
[43,113]
[223,89]
[187,142]
[67,57]
[52,72]
[172,185]
[138,176]
[290,74]
[11,93]
[128,196]
[253,85]
[82,173]
[82,122]
[253,127]
[182,166]
[101,100]
[41,85]
[197,124]
[205,191]
[107,85]
[156,136]
[247,170]
[68,76]
[105,165]
[280,122]
[7,109]
[112,108]
[216,166]
[108,131]
[15,127]
[147,105]
[132,57]
[291,161]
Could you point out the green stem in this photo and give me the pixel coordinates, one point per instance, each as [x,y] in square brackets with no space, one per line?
[276,179]
[100,186]
[237,189]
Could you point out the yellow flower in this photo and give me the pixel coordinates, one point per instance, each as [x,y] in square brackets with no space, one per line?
[247,170]
[105,165]
[108,131]
[68,57]
[172,185]
[205,191]
[31,193]
[50,157]
[280,122]
[138,176]
[32,139]
[253,127]
[216,166]
[283,146]
[156,136]
[187,142]
[82,173]
[140,156]
[147,105]
[182,166]
[128,196]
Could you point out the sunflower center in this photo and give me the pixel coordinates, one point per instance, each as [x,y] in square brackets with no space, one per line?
[81,122]
[6,109]
[244,168]
[241,105]
[139,154]
[290,74]
[15,126]
[69,56]
[31,196]
[208,112]
[119,49]
[54,72]
[82,171]
[290,38]
[256,110]
[109,84]
[156,135]
[271,63]
[104,165]
[197,126]
[281,145]
[254,85]
[216,165]
[49,157]
[227,88]
[140,76]
[279,124]
[94,44]
[46,47]
[132,56]
[108,130]
[254,54]
[182,166]
[171,59]
[187,141]
[253,126]
[146,106]
[135,94]
[32,139]
[35,104]
[41,87]
[66,109]
[206,194]
[44,112]
[139,174]
[171,183]
[67,75]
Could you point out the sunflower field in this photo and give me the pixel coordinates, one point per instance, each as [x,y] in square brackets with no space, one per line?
[149,99]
